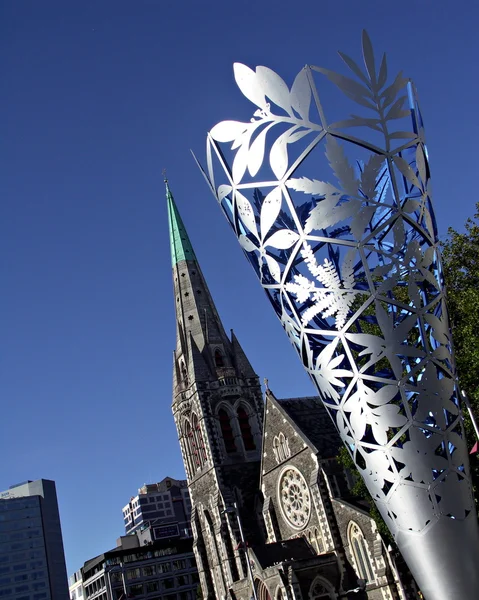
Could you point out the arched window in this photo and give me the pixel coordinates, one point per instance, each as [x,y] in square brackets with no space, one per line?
[245,429]
[276,449]
[321,589]
[316,540]
[219,362]
[226,537]
[211,539]
[283,441]
[200,445]
[184,373]
[360,553]
[261,590]
[191,449]
[281,449]
[227,431]
[203,555]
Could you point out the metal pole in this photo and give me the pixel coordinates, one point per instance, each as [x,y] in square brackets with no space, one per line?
[107,573]
[123,580]
[243,541]
[468,404]
[396,576]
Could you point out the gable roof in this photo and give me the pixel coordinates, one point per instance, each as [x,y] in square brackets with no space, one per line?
[312,421]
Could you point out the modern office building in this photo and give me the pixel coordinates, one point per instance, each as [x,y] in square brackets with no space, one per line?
[165,506]
[32,560]
[75,585]
[142,568]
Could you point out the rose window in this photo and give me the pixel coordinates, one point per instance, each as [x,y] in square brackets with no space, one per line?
[294,498]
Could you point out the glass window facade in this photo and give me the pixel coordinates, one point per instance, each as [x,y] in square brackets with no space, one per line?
[29,525]
[21,540]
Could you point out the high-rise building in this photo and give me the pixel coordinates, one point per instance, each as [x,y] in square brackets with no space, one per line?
[165,506]
[32,560]
[75,585]
[155,560]
[142,567]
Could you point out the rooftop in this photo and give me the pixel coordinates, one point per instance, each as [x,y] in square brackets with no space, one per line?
[313,420]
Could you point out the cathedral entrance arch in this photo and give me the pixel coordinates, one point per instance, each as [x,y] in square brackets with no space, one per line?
[262,592]
[321,589]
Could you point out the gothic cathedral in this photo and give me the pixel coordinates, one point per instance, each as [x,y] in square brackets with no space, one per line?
[272,514]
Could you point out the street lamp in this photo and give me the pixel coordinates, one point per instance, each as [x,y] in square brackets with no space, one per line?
[234,509]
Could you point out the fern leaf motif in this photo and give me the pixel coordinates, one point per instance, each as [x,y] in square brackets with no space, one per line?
[333,299]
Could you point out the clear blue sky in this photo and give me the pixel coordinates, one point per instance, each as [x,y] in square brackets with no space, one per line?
[97,97]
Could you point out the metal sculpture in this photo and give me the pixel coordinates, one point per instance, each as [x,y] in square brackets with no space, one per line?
[339,226]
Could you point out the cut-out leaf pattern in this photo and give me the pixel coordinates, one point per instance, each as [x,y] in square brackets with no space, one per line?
[406,170]
[312,186]
[368,55]
[350,261]
[274,87]
[282,239]
[300,97]
[354,90]
[246,212]
[227,131]
[223,191]
[370,93]
[240,163]
[270,210]
[279,155]
[247,244]
[341,167]
[333,209]
[256,152]
[274,268]
[369,176]
[367,407]
[333,298]
[328,375]
[247,82]
[249,139]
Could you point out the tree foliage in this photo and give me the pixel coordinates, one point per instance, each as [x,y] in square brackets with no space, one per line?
[460,253]
[360,491]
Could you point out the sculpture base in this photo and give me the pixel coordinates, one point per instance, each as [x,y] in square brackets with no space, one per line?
[443,568]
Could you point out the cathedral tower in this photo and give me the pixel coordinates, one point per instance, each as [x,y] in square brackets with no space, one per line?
[218,411]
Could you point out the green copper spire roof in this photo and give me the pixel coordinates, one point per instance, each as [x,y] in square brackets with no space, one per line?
[181,248]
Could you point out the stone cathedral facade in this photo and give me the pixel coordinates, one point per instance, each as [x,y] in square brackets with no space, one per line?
[267,465]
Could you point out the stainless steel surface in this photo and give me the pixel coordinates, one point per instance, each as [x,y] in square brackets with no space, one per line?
[336,218]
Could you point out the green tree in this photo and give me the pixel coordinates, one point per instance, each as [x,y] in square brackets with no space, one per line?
[460,254]
[360,492]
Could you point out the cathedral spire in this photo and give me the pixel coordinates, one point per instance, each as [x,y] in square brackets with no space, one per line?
[181,248]
[218,411]
[196,314]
